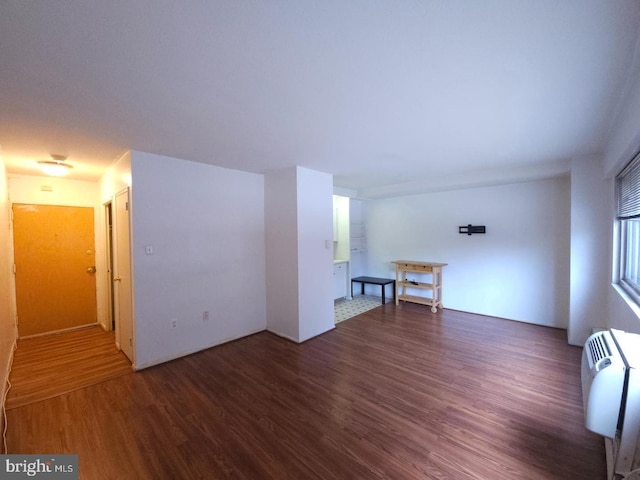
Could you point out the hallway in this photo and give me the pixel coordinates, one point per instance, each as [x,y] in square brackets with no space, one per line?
[52,365]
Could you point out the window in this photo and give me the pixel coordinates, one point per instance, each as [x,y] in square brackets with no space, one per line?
[628,216]
[630,258]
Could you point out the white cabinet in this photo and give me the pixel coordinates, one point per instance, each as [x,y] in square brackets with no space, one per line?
[340,279]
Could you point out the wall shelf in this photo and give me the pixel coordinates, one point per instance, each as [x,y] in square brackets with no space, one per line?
[358,237]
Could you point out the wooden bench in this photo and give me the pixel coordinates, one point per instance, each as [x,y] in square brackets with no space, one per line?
[375,281]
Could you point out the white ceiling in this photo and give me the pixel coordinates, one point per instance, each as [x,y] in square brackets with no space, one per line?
[381,94]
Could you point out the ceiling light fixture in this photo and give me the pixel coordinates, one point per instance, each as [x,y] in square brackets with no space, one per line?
[56,167]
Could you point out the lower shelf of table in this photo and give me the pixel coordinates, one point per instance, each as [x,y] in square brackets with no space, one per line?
[420,300]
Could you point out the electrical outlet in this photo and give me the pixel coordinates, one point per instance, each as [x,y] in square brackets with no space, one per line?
[174,323]
[205,315]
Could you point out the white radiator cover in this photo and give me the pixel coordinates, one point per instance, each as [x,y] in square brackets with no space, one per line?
[611,396]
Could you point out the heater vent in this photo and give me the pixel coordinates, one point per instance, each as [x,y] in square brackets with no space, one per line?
[598,348]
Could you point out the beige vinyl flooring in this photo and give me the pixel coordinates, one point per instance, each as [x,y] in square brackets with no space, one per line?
[345,309]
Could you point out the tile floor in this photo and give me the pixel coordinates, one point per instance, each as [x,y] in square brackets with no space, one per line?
[345,309]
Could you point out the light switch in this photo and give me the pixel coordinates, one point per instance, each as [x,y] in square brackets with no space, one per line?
[148,249]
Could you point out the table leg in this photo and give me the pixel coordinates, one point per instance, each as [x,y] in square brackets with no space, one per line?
[382,286]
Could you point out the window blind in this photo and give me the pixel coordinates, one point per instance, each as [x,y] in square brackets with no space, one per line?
[628,190]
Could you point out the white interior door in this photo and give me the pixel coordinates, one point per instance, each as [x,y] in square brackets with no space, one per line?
[122,276]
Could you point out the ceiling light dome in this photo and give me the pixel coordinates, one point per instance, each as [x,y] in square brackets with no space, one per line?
[56,167]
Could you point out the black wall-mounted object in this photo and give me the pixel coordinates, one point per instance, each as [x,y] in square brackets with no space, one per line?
[471,229]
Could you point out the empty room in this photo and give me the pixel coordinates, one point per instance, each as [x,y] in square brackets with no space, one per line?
[320,240]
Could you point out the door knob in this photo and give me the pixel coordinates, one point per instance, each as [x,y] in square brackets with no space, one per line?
[117,279]
[91,269]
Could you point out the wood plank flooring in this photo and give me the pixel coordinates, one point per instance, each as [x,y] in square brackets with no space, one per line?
[52,365]
[397,393]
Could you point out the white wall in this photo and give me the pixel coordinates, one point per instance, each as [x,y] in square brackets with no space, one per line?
[624,139]
[8,331]
[591,226]
[75,193]
[315,255]
[622,312]
[206,227]
[281,241]
[116,178]
[341,247]
[299,214]
[518,270]
[358,259]
[623,143]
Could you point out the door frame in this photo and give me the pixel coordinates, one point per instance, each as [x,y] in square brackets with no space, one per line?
[116,290]
[94,253]
[108,233]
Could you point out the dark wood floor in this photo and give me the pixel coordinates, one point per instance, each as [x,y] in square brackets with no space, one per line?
[397,393]
[51,365]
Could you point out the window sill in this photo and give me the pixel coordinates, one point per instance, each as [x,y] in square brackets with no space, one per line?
[633,306]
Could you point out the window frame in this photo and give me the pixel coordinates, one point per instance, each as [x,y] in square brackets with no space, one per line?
[631,287]
[625,217]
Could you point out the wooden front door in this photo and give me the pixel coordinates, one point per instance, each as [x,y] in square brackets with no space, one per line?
[55,267]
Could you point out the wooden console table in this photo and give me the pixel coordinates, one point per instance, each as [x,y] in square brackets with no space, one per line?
[435,287]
